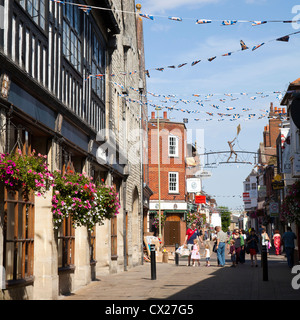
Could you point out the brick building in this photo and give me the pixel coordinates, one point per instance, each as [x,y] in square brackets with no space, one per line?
[263,193]
[173,203]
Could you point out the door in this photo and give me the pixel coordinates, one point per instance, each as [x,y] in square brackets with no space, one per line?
[171,232]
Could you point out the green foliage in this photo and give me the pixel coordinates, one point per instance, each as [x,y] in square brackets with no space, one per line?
[225,218]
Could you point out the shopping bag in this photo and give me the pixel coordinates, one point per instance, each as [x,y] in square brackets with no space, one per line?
[183,251]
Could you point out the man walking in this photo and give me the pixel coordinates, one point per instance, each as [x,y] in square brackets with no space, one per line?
[288,239]
[221,240]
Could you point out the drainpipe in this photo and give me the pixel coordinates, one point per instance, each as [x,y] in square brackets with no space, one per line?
[125,231]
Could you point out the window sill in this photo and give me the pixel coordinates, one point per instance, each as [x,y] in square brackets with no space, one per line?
[20,282]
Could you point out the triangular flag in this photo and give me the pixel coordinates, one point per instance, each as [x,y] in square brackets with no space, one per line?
[181,65]
[284,39]
[226,54]
[195,62]
[202,21]
[257,23]
[147,16]
[258,46]
[212,58]
[228,22]
[244,47]
[85,9]
[238,129]
[175,18]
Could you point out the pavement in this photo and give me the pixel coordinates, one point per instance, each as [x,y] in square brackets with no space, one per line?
[184,282]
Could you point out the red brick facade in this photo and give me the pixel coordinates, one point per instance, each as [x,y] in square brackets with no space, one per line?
[173,204]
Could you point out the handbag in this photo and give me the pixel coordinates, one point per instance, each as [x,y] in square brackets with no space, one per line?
[214,248]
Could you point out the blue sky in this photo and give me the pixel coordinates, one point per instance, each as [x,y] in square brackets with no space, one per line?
[269,68]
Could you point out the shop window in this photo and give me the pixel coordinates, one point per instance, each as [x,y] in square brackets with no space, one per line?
[18,228]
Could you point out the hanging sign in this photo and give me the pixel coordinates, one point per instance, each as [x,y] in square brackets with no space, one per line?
[200,199]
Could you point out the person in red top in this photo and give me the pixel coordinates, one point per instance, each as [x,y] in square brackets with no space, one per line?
[192,234]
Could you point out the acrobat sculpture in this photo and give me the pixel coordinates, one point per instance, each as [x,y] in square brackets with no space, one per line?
[231,150]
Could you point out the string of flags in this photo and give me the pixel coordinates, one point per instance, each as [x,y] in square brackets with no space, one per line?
[88,8]
[195,62]
[217,116]
[210,59]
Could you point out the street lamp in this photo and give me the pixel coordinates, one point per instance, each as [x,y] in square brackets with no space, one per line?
[158,157]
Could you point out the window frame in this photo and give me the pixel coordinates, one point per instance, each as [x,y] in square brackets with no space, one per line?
[175,146]
[37,11]
[176,182]
[71,29]
[20,233]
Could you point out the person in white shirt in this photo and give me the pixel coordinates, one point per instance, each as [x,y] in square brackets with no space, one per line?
[207,254]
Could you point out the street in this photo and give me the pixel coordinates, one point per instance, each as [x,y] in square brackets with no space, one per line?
[195,283]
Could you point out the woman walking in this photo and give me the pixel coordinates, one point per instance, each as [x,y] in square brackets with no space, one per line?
[242,253]
[252,244]
[265,240]
[277,242]
[238,243]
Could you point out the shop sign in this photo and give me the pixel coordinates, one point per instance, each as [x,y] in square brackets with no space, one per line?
[274,209]
[200,199]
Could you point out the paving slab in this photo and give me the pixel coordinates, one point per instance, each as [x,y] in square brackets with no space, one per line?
[194,283]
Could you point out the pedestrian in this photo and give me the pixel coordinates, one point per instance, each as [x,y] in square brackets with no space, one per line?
[243,253]
[232,252]
[195,253]
[238,243]
[192,234]
[207,254]
[289,244]
[214,239]
[265,240]
[221,240]
[252,244]
[277,242]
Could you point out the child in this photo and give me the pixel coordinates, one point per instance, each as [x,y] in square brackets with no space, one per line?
[207,254]
[195,253]
[232,252]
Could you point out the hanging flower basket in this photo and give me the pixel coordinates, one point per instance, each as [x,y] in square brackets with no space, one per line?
[87,203]
[25,173]
[155,222]
[290,209]
[195,217]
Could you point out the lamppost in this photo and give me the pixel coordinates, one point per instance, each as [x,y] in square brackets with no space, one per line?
[158,157]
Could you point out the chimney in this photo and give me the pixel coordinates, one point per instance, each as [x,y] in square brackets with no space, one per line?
[165,115]
[153,115]
[276,110]
[283,110]
[271,107]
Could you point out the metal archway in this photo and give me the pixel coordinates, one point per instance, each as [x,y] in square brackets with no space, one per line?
[213,159]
